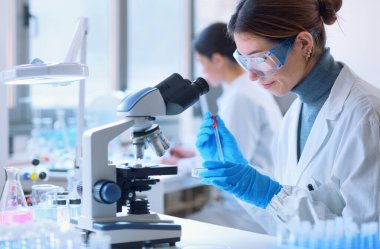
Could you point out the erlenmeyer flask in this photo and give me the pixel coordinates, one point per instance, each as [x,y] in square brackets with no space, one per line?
[13,206]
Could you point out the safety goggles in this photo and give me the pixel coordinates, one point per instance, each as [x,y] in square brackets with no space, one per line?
[266,63]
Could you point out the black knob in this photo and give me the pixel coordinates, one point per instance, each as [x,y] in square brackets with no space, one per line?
[42,175]
[35,162]
[106,191]
[79,188]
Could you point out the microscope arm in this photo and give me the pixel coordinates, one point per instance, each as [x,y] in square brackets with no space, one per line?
[95,167]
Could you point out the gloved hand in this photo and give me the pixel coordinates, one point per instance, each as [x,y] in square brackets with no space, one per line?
[241,180]
[206,143]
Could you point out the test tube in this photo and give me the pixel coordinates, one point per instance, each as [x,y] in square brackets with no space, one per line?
[218,144]
[195,171]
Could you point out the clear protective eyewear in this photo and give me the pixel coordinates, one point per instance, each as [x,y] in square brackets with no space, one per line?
[266,63]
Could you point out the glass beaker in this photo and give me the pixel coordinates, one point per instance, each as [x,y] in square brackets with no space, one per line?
[13,206]
[44,199]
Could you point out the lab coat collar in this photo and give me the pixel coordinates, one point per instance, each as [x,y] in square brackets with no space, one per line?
[320,130]
[339,93]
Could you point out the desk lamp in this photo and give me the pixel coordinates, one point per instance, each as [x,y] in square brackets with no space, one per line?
[61,73]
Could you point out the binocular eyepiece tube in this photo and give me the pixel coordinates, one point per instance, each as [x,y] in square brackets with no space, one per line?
[179,93]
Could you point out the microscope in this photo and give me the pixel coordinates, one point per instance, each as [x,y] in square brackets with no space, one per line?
[107,188]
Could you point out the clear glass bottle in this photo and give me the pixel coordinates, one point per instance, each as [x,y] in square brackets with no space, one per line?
[75,208]
[13,206]
[63,218]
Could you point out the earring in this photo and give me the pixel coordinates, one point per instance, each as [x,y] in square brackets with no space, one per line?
[308,54]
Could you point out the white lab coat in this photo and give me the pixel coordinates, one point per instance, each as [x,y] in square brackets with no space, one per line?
[341,159]
[253,116]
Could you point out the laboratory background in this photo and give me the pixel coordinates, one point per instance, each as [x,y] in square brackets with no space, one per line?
[124,46]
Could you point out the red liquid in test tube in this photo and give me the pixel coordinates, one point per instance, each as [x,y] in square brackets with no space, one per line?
[218,144]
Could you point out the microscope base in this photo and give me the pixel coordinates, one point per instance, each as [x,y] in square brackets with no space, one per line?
[141,244]
[134,234]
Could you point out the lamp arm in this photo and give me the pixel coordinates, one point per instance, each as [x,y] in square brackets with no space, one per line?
[80,37]
[77,40]
[81,107]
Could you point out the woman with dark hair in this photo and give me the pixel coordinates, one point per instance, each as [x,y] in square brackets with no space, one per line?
[327,152]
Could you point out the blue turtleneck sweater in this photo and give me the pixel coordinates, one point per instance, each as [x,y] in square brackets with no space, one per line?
[313,92]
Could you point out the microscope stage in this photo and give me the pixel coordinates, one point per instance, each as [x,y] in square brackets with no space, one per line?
[153,170]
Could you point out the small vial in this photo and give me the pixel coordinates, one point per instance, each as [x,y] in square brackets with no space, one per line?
[74,208]
[62,212]
[217,138]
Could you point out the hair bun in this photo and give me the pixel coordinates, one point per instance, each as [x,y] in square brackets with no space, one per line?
[328,10]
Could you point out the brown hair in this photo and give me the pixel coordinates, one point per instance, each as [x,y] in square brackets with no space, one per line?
[280,19]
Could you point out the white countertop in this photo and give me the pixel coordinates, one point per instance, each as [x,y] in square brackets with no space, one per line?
[199,233]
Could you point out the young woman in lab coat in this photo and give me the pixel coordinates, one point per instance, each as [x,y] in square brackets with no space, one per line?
[249,111]
[327,152]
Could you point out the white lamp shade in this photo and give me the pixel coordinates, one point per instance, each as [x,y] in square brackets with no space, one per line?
[41,73]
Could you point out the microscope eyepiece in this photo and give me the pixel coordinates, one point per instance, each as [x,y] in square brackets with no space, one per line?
[179,93]
[203,85]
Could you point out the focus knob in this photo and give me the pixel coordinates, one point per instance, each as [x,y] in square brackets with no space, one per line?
[106,191]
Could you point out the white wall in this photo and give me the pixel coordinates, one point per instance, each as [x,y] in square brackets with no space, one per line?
[355,39]
[6,7]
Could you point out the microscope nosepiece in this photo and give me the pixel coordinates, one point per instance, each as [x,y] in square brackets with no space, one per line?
[158,142]
[152,136]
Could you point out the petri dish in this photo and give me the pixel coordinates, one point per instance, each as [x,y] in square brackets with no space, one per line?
[195,172]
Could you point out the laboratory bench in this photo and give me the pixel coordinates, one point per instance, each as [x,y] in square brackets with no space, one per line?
[200,233]
[193,232]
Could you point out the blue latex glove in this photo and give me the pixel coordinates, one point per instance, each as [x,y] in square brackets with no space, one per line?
[241,180]
[206,143]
